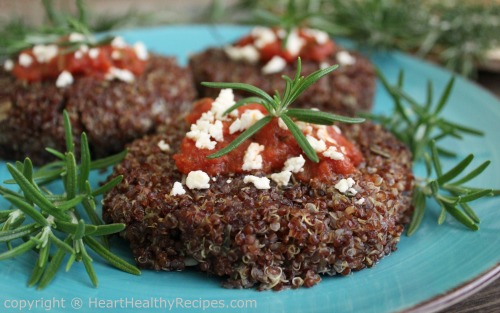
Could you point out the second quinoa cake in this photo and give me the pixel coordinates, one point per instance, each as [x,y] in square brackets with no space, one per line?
[263,215]
[112,91]
[262,57]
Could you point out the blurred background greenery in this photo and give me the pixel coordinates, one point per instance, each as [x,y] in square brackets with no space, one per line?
[459,34]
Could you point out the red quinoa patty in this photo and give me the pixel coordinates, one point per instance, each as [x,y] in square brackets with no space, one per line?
[112,113]
[347,90]
[276,238]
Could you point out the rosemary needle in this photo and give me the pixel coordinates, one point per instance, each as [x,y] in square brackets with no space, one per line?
[56,215]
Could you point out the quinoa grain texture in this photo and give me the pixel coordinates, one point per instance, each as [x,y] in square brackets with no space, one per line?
[266,239]
[112,113]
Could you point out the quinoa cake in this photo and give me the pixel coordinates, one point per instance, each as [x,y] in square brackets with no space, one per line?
[260,60]
[114,92]
[262,216]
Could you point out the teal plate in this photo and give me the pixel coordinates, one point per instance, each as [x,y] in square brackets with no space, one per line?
[432,269]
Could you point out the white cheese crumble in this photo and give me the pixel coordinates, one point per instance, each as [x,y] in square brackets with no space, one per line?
[317,144]
[222,103]
[321,37]
[295,165]
[76,37]
[345,185]
[360,201]
[281,178]
[262,36]
[177,189]
[25,60]
[8,65]
[94,53]
[206,127]
[252,159]
[84,48]
[275,65]
[247,119]
[118,42]
[115,55]
[197,180]
[45,53]
[333,154]
[246,53]
[294,43]
[282,124]
[324,65]
[78,54]
[140,51]
[229,181]
[120,74]
[258,182]
[163,145]
[345,58]
[64,79]
[323,134]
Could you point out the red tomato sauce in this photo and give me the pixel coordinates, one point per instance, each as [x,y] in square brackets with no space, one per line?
[279,145]
[310,51]
[96,67]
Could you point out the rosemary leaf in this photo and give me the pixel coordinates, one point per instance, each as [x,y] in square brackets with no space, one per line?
[70,204]
[419,204]
[28,209]
[475,195]
[301,139]
[322,118]
[61,244]
[461,217]
[71,176]
[108,229]
[470,212]
[70,145]
[85,162]
[110,257]
[444,96]
[248,100]
[22,248]
[19,232]
[35,195]
[56,153]
[108,186]
[456,170]
[71,228]
[108,161]
[53,267]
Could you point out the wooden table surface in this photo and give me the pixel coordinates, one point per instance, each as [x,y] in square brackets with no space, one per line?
[486,300]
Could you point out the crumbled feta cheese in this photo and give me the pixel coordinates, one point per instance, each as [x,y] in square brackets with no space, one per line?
[295,165]
[25,60]
[250,117]
[84,48]
[317,144]
[262,36]
[120,74]
[64,79]
[333,154]
[324,65]
[94,53]
[281,178]
[252,159]
[206,127]
[177,189]
[282,124]
[337,129]
[275,65]
[163,145]
[229,181]
[235,126]
[323,134]
[214,178]
[222,103]
[294,43]
[258,182]
[198,180]
[141,51]
[45,53]
[345,58]
[246,53]
[118,42]
[76,37]
[345,185]
[8,65]
[306,128]
[360,201]
[216,131]
[321,37]
[115,55]
[78,54]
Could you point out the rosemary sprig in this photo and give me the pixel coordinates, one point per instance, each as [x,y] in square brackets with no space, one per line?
[421,126]
[277,106]
[56,215]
